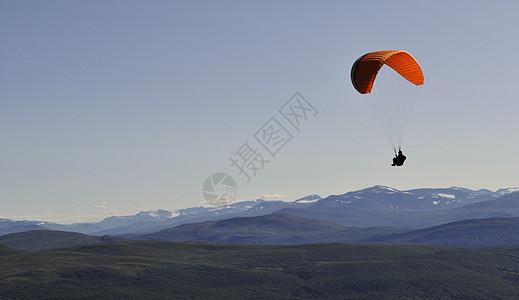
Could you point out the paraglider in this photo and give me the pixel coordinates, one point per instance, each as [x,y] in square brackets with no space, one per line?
[399,159]
[388,80]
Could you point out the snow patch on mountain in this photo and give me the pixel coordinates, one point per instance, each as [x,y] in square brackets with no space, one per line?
[307,201]
[508,191]
[381,189]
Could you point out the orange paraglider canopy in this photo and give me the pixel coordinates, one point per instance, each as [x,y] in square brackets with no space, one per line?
[365,69]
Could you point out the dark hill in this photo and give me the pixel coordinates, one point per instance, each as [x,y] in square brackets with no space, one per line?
[6,250]
[49,239]
[166,270]
[472,233]
[275,229]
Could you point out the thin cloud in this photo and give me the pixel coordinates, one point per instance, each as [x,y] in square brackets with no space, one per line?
[100,206]
[271,197]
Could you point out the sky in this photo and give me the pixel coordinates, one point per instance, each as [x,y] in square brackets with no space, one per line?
[113,107]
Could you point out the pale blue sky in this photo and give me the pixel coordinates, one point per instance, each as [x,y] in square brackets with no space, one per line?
[111,107]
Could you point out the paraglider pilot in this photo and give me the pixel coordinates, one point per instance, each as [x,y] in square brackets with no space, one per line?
[399,159]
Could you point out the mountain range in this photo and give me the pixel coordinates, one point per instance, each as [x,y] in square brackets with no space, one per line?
[374,206]
[283,229]
[450,217]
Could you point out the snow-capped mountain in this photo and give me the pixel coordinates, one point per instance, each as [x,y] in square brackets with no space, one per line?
[113,222]
[143,216]
[387,198]
[183,216]
[144,220]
